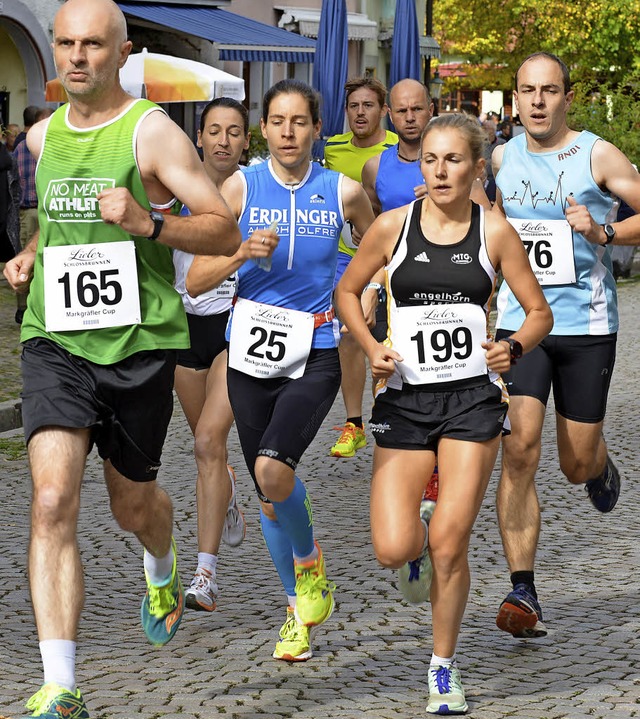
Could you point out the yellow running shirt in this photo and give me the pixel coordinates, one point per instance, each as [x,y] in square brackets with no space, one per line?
[341,155]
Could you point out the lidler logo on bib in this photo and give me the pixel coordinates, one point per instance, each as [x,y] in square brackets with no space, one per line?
[84,255]
[535,228]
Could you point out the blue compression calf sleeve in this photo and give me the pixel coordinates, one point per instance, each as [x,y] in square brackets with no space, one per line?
[280,550]
[296,518]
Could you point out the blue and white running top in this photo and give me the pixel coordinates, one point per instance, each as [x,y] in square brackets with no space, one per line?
[535,186]
[396,179]
[309,218]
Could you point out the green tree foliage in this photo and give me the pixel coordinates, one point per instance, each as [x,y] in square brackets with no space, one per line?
[596,38]
[610,109]
[257,143]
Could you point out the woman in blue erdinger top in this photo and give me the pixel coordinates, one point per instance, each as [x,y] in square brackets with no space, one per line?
[284,371]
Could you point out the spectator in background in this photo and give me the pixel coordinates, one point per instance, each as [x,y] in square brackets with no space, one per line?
[9,199]
[29,119]
[505,129]
[11,131]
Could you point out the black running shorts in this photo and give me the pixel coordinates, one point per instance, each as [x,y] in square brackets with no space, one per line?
[207,340]
[414,418]
[579,369]
[127,405]
[280,417]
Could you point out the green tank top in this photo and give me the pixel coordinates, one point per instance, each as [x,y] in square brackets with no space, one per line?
[74,165]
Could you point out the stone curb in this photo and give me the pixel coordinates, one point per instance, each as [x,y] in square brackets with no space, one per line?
[10,415]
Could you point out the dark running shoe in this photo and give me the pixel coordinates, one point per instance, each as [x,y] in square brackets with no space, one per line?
[604,490]
[520,614]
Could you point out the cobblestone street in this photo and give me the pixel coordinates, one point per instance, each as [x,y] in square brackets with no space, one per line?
[371,657]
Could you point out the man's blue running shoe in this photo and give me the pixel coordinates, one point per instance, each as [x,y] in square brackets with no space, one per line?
[162,607]
[520,614]
[52,701]
[604,490]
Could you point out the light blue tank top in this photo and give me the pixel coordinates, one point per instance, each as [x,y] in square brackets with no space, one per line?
[396,179]
[310,218]
[536,186]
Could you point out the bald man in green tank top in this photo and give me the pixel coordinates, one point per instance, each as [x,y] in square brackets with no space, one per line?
[102,327]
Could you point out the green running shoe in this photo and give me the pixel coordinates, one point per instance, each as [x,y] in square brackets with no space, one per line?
[351,439]
[52,701]
[314,592]
[294,644]
[162,607]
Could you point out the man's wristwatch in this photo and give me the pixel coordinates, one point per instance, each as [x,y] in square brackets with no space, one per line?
[610,232]
[515,348]
[158,224]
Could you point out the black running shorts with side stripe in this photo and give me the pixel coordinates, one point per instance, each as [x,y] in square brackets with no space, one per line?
[578,368]
[414,418]
[127,405]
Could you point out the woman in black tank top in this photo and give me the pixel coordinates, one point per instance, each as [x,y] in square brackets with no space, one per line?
[439,388]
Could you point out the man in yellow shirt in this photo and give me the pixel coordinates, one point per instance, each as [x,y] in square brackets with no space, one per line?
[366,106]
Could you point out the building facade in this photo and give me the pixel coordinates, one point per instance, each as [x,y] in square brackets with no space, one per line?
[261,42]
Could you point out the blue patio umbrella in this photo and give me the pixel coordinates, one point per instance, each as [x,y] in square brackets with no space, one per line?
[330,68]
[405,47]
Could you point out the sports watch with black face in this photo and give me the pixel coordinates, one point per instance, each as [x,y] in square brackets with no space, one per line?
[610,232]
[158,224]
[515,348]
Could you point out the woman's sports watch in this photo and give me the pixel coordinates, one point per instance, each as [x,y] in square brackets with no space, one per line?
[515,348]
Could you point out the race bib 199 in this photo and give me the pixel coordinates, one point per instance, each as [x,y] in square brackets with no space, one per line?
[268,341]
[549,246]
[439,343]
[91,286]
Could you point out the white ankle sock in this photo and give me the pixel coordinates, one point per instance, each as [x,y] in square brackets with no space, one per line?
[158,568]
[443,661]
[208,562]
[59,662]
[310,557]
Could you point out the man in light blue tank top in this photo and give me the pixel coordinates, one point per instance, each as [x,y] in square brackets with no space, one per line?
[560,188]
